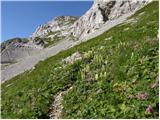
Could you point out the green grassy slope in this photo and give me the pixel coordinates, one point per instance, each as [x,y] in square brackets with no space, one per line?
[113,79]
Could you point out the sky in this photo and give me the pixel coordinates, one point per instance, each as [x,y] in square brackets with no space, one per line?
[21,18]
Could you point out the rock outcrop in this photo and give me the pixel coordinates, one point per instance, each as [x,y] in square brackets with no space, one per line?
[17,48]
[103,11]
[71,59]
[59,27]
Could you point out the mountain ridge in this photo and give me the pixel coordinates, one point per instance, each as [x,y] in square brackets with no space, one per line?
[71,29]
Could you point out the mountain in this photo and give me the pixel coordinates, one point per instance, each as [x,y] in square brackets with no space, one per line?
[113,75]
[101,12]
[54,31]
[103,15]
[17,48]
[59,27]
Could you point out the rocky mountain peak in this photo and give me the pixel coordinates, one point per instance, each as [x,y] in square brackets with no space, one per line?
[100,13]
[57,24]
[103,11]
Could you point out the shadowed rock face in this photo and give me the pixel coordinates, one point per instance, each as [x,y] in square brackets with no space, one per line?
[105,11]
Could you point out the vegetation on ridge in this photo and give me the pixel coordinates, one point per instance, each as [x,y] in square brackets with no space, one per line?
[114,78]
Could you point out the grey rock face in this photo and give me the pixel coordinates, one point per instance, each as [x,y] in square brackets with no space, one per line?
[15,49]
[59,26]
[103,11]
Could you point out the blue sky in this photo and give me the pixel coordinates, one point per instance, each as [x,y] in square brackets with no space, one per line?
[20,19]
